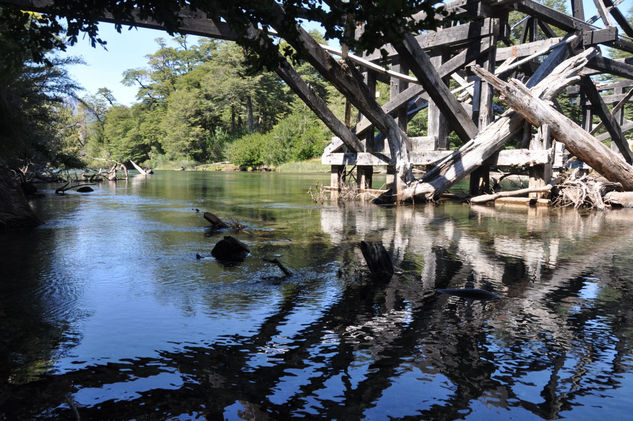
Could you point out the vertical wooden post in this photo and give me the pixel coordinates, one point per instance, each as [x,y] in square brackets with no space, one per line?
[397,86]
[578,10]
[619,117]
[364,173]
[337,177]
[540,175]
[587,114]
[480,178]
[437,124]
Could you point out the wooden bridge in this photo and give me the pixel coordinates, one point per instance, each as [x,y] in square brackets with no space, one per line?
[421,72]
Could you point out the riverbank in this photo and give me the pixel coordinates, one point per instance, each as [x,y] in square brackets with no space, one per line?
[308,166]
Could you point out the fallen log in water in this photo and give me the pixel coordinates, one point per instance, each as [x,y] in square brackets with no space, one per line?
[138,168]
[280,265]
[521,192]
[619,199]
[377,259]
[580,143]
[216,223]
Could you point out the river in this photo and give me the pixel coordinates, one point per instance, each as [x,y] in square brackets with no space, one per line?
[105,311]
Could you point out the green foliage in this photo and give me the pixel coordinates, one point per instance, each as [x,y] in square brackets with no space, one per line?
[298,136]
[247,150]
[32,116]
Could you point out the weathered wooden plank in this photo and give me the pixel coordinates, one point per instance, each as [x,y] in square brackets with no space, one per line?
[623,83]
[504,158]
[420,64]
[616,111]
[563,21]
[192,22]
[460,60]
[577,9]
[558,54]
[620,67]
[599,36]
[619,18]
[613,99]
[527,49]
[602,11]
[625,127]
[578,141]
[453,36]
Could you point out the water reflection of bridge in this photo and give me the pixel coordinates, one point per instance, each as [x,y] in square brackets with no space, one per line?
[376,335]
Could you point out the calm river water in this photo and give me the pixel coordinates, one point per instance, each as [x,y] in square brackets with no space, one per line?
[105,312]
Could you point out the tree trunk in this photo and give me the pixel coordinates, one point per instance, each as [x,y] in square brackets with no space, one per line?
[15,211]
[580,143]
[249,108]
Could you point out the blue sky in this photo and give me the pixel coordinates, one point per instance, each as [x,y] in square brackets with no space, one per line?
[128,49]
[104,68]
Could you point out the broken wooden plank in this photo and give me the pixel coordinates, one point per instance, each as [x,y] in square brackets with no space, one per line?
[578,141]
[612,126]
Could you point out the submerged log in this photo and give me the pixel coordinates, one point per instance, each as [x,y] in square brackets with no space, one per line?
[229,250]
[469,157]
[377,259]
[470,293]
[580,143]
[280,265]
[216,222]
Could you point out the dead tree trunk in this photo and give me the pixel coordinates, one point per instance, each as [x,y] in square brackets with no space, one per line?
[469,157]
[586,147]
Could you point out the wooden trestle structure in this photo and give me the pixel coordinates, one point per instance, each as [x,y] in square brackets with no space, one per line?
[478,34]
[484,40]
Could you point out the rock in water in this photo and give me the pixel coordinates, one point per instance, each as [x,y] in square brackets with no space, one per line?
[85,189]
[470,293]
[230,249]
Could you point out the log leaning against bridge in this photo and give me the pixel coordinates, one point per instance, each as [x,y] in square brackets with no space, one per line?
[578,141]
[470,156]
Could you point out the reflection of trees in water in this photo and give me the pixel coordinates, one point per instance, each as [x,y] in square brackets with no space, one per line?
[485,352]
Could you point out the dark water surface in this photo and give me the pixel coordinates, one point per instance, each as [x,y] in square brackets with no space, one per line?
[106,313]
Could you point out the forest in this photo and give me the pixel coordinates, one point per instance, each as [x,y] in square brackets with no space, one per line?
[197,103]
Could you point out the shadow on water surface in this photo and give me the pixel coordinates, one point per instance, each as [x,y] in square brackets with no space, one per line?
[332,344]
